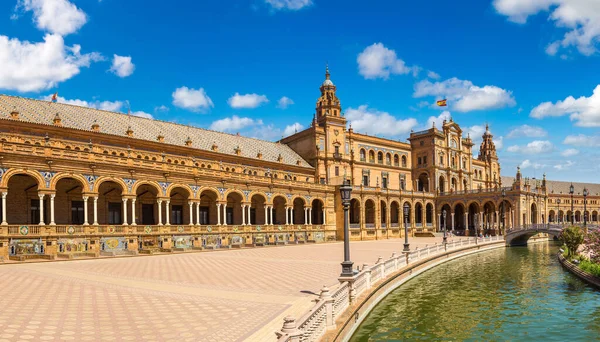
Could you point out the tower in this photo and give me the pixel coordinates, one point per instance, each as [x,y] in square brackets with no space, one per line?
[328,104]
[487,154]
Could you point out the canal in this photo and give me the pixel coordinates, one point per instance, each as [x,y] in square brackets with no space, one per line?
[511,294]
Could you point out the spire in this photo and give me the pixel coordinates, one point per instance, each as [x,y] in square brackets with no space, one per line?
[327,71]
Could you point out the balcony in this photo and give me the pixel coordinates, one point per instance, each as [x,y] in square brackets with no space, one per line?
[337,156]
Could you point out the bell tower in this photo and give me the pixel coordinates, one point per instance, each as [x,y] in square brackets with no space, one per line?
[328,104]
[487,154]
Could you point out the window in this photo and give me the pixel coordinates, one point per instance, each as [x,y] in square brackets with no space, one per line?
[388,159]
[425,160]
[403,161]
[77,212]
[384,182]
[35,211]
[380,158]
[419,161]
[337,170]
[337,149]
[402,184]
[363,155]
[177,214]
[371,157]
[203,215]
[441,160]
[229,215]
[396,160]
[322,180]
[365,180]
[114,213]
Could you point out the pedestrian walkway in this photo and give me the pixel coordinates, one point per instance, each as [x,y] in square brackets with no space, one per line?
[231,295]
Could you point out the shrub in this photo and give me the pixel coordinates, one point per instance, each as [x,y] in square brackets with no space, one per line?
[591,246]
[572,237]
[590,267]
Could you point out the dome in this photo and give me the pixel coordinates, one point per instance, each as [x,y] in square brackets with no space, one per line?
[327,82]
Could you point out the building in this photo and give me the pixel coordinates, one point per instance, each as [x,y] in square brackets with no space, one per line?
[77,181]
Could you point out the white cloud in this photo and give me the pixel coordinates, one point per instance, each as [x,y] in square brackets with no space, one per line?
[292,5]
[438,120]
[111,106]
[498,142]
[565,166]
[569,152]
[161,108]
[293,128]
[527,164]
[579,18]
[534,147]
[142,114]
[55,16]
[234,123]
[247,100]
[374,122]
[464,96]
[122,66]
[193,99]
[527,131]
[585,111]
[433,75]
[37,66]
[582,140]
[377,61]
[284,102]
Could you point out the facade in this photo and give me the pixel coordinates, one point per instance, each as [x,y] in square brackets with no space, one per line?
[77,181]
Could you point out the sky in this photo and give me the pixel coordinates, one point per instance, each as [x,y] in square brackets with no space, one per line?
[527,68]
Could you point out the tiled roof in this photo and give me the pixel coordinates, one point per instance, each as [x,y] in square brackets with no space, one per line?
[557,187]
[44,112]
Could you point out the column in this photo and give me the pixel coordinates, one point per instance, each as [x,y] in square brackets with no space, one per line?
[287,216]
[124,211]
[270,215]
[266,214]
[310,216]
[197,213]
[191,204]
[133,212]
[452,218]
[249,219]
[4,221]
[41,210]
[159,212]
[305,216]
[466,222]
[497,223]
[292,215]
[167,212]
[325,221]
[218,214]
[96,210]
[439,221]
[224,214]
[243,215]
[52,223]
[85,210]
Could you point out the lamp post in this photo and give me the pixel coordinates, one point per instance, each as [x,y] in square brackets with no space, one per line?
[585,193]
[406,245]
[571,191]
[558,215]
[444,216]
[345,193]
[503,212]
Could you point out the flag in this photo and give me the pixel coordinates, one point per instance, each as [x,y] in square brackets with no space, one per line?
[54,97]
[441,103]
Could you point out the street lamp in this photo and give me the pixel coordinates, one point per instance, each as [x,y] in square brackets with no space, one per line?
[571,191]
[406,245]
[345,193]
[503,212]
[558,215]
[444,216]
[585,193]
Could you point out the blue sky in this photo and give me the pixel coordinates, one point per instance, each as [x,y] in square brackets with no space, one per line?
[255,66]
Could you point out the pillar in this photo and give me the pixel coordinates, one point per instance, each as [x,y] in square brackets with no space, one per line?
[133,223]
[167,212]
[4,221]
[52,223]
[439,221]
[124,211]
[191,205]
[41,209]
[197,213]
[324,221]
[270,215]
[266,214]
[95,210]
[243,215]
[159,202]
[85,210]
[310,216]
[452,218]
[292,215]
[224,214]
[497,223]
[249,219]
[287,214]
[305,216]
[218,214]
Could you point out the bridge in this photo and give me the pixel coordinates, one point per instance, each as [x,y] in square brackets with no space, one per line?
[519,236]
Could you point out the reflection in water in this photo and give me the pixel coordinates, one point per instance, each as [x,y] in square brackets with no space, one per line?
[517,293]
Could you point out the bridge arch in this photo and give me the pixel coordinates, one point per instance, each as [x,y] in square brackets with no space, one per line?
[519,237]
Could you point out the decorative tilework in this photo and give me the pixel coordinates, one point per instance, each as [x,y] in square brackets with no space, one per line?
[164,186]
[222,191]
[194,189]
[2,172]
[385,150]
[47,175]
[129,182]
[91,181]
[246,193]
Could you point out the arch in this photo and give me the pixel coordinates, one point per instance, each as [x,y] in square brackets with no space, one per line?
[561,217]
[419,214]
[459,218]
[534,214]
[445,222]
[429,214]
[208,205]
[442,184]
[355,211]
[473,216]
[388,159]
[370,213]
[61,175]
[594,216]
[258,203]
[187,188]
[179,204]
[586,216]
[110,202]
[404,161]
[146,204]
[371,156]
[396,160]
[454,184]
[380,157]
[423,182]
[233,207]
[234,191]
[489,216]
[551,216]
[279,209]
[119,181]
[383,213]
[299,203]
[394,213]
[68,202]
[465,185]
[363,154]
[33,174]
[22,200]
[317,206]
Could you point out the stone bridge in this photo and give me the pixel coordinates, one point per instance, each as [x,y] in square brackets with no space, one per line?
[519,236]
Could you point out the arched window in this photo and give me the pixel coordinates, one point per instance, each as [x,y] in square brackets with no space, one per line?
[388,159]
[403,161]
[371,157]
[380,158]
[363,154]
[396,160]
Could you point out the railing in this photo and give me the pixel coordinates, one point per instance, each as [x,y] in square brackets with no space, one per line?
[322,316]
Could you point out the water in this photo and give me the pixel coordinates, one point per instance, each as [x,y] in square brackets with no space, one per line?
[512,294]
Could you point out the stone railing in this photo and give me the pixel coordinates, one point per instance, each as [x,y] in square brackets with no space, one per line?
[322,316]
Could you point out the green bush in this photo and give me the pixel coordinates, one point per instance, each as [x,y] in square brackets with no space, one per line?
[572,237]
[590,267]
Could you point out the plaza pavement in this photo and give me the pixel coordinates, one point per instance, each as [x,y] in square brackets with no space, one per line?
[231,295]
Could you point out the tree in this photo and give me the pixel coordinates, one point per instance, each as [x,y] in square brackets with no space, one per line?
[592,245]
[572,237]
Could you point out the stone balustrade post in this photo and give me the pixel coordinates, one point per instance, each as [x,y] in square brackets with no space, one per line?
[367,275]
[395,258]
[381,265]
[326,297]
[289,332]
